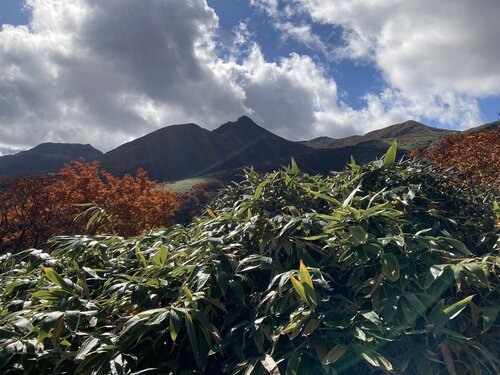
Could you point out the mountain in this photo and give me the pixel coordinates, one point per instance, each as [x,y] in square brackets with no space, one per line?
[489,126]
[46,157]
[183,151]
[410,135]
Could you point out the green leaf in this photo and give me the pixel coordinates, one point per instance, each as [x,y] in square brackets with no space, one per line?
[390,267]
[289,328]
[459,245]
[90,344]
[203,319]
[489,317]
[359,334]
[304,276]
[335,354]
[455,309]
[293,364]
[174,325]
[390,156]
[260,188]
[306,284]
[409,313]
[44,295]
[315,238]
[295,167]
[161,256]
[10,288]
[440,315]
[353,164]
[299,288]
[477,272]
[237,289]
[188,294]
[326,198]
[310,295]
[415,304]
[310,327]
[373,358]
[211,213]
[358,234]
[192,337]
[54,277]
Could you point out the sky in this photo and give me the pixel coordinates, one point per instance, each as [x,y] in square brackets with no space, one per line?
[107,72]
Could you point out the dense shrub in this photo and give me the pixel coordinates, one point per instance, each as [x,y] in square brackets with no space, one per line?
[475,156]
[34,209]
[383,268]
[192,203]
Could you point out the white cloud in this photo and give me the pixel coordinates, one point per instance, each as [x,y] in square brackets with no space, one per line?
[271,7]
[104,72]
[107,71]
[421,45]
[303,34]
[284,96]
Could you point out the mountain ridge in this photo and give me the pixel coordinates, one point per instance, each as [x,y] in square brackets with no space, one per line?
[410,134]
[45,158]
[184,151]
[177,151]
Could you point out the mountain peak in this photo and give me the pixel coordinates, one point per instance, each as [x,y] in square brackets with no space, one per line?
[243,121]
[177,152]
[46,157]
[70,147]
[243,127]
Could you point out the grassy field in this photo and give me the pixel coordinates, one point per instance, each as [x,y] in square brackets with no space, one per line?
[187,184]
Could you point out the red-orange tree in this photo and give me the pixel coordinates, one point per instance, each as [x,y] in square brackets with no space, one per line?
[34,209]
[475,156]
[28,213]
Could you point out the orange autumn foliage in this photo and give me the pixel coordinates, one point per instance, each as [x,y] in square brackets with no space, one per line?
[34,209]
[474,156]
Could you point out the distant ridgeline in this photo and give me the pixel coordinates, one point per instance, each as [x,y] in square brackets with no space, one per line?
[185,151]
[45,158]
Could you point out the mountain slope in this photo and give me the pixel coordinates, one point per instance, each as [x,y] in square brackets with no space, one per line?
[183,151]
[46,157]
[410,134]
[489,126]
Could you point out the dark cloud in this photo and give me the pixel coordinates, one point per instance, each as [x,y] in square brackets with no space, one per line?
[104,72]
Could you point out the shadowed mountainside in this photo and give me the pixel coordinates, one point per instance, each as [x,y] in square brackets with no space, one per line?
[189,151]
[44,158]
[183,151]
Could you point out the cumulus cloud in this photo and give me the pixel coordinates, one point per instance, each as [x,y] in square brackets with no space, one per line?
[303,34]
[421,46]
[286,95]
[271,7]
[105,72]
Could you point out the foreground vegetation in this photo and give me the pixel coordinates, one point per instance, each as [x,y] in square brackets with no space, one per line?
[382,268]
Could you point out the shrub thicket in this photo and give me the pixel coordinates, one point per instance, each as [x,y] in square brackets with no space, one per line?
[474,156]
[382,268]
[34,209]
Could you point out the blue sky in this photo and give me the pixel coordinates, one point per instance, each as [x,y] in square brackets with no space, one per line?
[83,69]
[354,79]
[11,12]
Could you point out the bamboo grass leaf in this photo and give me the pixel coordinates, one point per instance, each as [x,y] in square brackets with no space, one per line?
[390,156]
[192,337]
[335,354]
[390,267]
